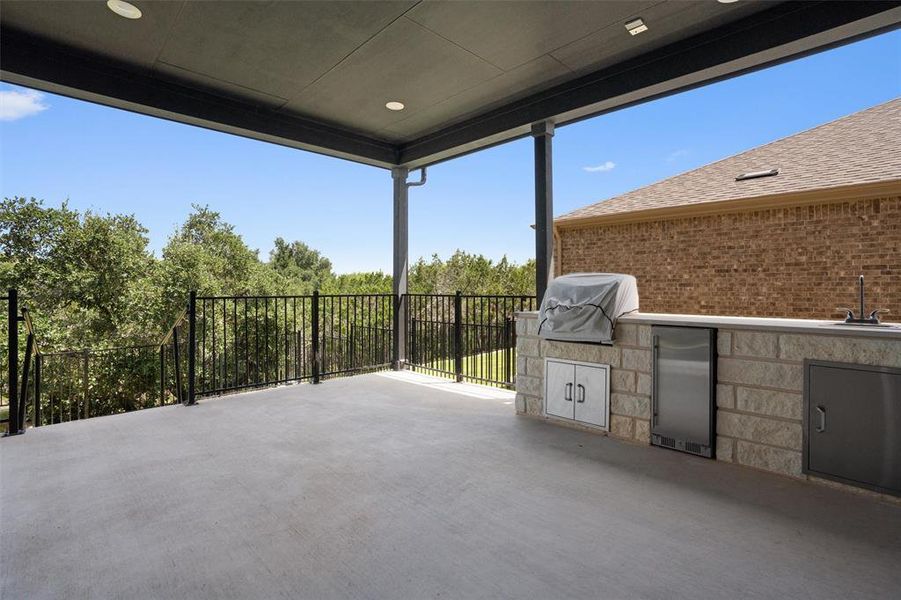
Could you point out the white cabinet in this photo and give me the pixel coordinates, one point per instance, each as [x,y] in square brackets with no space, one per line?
[578,391]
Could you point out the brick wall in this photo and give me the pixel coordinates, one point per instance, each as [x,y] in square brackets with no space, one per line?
[797,262]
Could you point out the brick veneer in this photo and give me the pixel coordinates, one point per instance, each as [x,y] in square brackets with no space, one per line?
[794,262]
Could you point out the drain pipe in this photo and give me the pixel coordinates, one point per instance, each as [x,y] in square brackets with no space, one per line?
[422,178]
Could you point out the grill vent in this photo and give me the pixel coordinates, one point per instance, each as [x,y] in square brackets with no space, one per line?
[693,447]
[667,441]
[681,445]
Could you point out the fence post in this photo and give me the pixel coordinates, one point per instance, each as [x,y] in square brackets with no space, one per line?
[178,392]
[38,360]
[315,336]
[12,315]
[413,359]
[85,385]
[353,362]
[192,343]
[162,374]
[458,335]
[397,325]
[23,390]
[509,345]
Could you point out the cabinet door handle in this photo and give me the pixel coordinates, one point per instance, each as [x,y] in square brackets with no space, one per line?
[582,393]
[568,392]
[822,414]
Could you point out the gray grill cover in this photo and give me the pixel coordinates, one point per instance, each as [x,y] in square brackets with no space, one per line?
[584,307]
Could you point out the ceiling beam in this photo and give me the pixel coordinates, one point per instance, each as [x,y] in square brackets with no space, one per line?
[44,65]
[784,32]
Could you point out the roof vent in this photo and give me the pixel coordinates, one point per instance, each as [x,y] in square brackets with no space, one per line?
[636,26]
[757,174]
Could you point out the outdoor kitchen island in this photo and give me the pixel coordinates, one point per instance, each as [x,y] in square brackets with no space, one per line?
[759,385]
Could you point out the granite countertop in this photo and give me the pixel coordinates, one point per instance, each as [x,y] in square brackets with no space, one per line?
[810,326]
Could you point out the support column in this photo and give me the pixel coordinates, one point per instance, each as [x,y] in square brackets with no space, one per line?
[401,262]
[544,205]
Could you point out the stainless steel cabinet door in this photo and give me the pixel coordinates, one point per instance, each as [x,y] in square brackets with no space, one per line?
[682,382]
[558,391]
[590,395]
[854,425]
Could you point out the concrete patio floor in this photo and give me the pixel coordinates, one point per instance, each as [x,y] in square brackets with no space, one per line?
[370,487]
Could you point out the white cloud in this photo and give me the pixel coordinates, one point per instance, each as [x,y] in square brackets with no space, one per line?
[18,104]
[674,156]
[601,168]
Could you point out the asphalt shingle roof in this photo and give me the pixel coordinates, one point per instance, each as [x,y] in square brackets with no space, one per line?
[858,149]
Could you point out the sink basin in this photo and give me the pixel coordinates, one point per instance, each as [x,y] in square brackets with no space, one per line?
[886,325]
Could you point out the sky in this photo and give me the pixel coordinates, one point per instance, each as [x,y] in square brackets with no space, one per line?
[107,160]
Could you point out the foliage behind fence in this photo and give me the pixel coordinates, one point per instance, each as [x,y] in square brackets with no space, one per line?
[469,337]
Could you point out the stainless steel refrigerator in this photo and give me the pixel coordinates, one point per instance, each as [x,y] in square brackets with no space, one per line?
[683,396]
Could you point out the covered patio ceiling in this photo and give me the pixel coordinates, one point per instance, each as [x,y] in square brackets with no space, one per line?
[317,75]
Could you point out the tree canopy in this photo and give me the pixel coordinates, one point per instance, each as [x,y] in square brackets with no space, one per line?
[91,280]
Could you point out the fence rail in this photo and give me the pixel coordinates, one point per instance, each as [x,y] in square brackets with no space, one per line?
[81,384]
[467,337]
[246,342]
[220,344]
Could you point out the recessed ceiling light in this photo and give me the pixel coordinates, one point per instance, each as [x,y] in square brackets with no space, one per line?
[124,9]
[727,1]
[635,27]
[394,105]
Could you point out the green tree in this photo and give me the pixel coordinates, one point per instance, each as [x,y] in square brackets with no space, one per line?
[205,254]
[471,274]
[76,272]
[90,280]
[303,266]
[375,282]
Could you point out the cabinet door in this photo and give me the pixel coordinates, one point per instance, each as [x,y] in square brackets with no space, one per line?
[854,425]
[591,395]
[558,390]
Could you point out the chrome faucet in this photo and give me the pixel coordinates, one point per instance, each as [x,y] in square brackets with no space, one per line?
[872,319]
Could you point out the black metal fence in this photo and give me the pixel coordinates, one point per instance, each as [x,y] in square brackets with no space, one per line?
[228,343]
[246,342]
[81,384]
[174,361]
[357,333]
[21,388]
[8,370]
[467,337]
[45,388]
